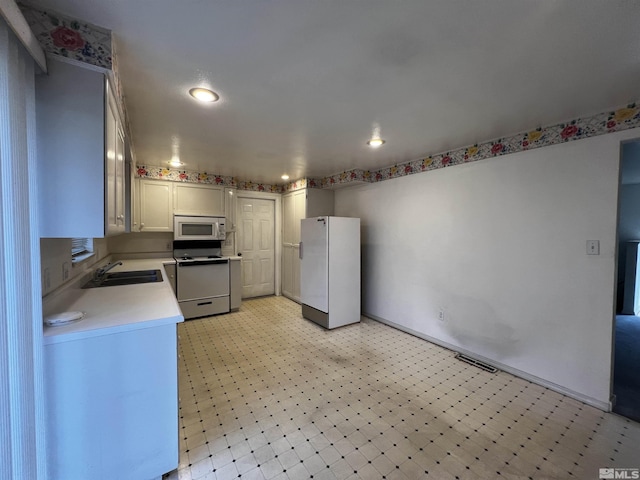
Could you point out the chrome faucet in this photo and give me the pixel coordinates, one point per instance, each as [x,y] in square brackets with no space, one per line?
[99,273]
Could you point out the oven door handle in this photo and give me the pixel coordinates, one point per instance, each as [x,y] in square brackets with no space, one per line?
[202,262]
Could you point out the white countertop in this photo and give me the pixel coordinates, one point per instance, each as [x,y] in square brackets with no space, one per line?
[117,309]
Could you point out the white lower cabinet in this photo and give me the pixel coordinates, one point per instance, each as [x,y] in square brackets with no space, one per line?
[235,279]
[170,269]
[156,206]
[113,415]
[291,271]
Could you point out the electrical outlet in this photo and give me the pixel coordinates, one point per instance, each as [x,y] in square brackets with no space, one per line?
[65,270]
[441,315]
[168,246]
[593,247]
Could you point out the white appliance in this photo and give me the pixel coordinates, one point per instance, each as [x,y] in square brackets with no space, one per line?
[202,278]
[330,270]
[198,228]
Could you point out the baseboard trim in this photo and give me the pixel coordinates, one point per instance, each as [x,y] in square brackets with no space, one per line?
[605,406]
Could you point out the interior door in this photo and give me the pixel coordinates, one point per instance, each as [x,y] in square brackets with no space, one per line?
[256,243]
[314,268]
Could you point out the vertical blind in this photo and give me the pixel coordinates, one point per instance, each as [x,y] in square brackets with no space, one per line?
[22,425]
[80,246]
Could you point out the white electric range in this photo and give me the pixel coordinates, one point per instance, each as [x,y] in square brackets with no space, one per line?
[202,278]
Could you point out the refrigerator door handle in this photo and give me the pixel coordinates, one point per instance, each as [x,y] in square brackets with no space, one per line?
[300,251]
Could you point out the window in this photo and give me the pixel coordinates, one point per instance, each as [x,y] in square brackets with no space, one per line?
[81,248]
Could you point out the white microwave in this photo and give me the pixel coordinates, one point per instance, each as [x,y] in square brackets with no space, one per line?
[198,228]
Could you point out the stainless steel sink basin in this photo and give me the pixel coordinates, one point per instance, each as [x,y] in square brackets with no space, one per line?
[135,273]
[125,278]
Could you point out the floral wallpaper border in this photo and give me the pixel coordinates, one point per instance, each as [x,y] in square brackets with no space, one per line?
[68,37]
[616,120]
[191,176]
[187,176]
[81,41]
[61,35]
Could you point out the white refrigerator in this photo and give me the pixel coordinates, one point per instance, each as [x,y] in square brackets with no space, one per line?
[330,270]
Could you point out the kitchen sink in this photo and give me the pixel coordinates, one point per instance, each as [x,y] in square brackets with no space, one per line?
[125,278]
[135,273]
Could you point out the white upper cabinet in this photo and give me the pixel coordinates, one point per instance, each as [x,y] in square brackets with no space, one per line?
[156,202]
[115,167]
[80,153]
[194,199]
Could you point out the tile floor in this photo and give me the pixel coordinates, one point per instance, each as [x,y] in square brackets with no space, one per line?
[265,394]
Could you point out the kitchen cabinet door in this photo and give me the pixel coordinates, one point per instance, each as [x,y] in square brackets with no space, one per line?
[293,208]
[112,405]
[295,274]
[79,135]
[229,245]
[156,213]
[115,168]
[235,279]
[170,269]
[296,206]
[193,199]
[287,271]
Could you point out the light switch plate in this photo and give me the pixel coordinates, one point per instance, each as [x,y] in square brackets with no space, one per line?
[593,247]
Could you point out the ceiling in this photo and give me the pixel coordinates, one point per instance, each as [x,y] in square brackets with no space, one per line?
[305,83]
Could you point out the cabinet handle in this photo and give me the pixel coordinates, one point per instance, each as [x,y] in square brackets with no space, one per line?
[141,226]
[300,251]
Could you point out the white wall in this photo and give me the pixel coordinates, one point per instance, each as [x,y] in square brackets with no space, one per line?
[500,246]
[56,266]
[143,244]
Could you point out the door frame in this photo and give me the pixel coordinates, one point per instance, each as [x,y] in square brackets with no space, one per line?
[616,284]
[277,237]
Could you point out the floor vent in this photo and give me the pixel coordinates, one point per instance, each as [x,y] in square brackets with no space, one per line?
[476,363]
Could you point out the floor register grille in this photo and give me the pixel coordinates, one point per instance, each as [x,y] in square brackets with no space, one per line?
[476,363]
[266,394]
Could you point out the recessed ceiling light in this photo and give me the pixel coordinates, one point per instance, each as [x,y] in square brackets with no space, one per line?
[204,94]
[285,177]
[375,142]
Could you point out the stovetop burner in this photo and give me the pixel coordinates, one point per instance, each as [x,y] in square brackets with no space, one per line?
[187,251]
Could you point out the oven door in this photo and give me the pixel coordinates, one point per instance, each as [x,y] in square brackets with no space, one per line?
[203,288]
[202,279]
